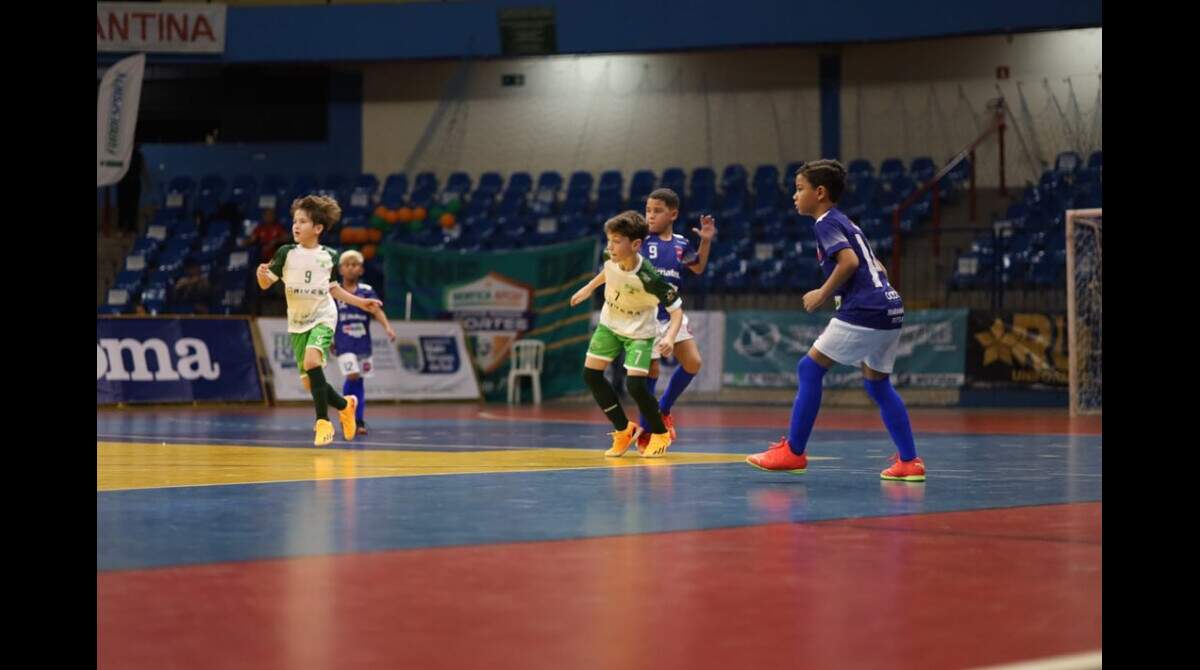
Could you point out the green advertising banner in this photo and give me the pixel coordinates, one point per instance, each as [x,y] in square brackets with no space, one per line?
[763,348]
[501,297]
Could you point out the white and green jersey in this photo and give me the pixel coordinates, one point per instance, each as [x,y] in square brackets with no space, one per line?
[307,275]
[631,299]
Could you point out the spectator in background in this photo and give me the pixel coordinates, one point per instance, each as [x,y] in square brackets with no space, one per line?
[193,288]
[267,235]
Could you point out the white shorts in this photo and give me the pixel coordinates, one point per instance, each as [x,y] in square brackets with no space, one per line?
[849,344]
[351,364]
[684,334]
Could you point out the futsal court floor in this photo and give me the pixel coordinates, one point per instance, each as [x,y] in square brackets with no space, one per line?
[486,536]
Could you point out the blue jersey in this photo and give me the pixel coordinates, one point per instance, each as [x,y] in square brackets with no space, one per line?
[353,334]
[868,299]
[669,257]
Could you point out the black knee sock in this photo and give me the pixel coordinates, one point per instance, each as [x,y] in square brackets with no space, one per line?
[317,385]
[606,397]
[646,403]
[338,401]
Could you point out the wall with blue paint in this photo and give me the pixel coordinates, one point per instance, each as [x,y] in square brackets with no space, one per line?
[300,33]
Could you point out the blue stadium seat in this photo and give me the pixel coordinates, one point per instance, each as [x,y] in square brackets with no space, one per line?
[860,168]
[581,182]
[890,169]
[675,179]
[733,178]
[922,169]
[521,182]
[1067,163]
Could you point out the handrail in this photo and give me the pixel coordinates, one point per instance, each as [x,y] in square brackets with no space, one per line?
[997,125]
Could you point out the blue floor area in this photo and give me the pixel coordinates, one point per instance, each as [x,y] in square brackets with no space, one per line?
[204,524]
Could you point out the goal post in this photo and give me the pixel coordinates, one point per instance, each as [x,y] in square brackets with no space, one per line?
[1084,313]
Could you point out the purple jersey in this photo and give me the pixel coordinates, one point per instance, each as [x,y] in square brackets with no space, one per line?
[868,299]
[669,258]
[353,334]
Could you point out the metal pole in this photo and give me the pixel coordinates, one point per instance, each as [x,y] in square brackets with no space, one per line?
[972,188]
[937,222]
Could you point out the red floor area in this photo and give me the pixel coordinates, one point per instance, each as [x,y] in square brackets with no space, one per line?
[933,591]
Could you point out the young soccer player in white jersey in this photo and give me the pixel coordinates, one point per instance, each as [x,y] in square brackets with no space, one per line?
[864,330]
[632,293]
[309,274]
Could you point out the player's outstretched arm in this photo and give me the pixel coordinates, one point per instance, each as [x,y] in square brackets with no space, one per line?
[586,292]
[706,231]
[367,304]
[381,317]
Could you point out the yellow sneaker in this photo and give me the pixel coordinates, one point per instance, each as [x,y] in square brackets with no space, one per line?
[324,431]
[658,445]
[623,439]
[346,417]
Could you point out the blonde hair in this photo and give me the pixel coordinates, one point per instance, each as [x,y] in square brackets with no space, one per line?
[350,254]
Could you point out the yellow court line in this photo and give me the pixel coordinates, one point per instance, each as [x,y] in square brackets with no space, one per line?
[140,465]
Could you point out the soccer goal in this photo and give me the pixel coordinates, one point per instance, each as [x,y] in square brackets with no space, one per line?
[1084,314]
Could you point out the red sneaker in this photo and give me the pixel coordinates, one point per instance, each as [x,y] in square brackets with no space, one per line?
[779,457]
[643,441]
[905,471]
[669,422]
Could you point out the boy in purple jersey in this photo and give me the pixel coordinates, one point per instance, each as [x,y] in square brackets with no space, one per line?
[669,254]
[352,340]
[864,330]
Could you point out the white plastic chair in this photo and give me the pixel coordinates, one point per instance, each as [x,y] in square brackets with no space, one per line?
[527,358]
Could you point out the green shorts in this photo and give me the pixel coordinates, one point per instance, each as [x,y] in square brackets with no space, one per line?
[319,338]
[606,344]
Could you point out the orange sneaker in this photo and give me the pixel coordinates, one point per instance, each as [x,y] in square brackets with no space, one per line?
[323,433]
[905,471]
[623,438]
[346,417]
[669,422]
[658,445]
[779,456]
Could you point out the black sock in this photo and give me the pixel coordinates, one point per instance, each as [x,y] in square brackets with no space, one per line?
[646,403]
[338,402]
[317,385]
[606,397]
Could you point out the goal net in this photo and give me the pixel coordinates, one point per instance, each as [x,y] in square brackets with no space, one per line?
[1084,314]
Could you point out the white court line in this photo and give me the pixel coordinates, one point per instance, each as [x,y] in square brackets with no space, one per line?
[516,419]
[1088,660]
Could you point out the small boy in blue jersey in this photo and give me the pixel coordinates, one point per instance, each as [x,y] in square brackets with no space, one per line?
[670,253]
[352,341]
